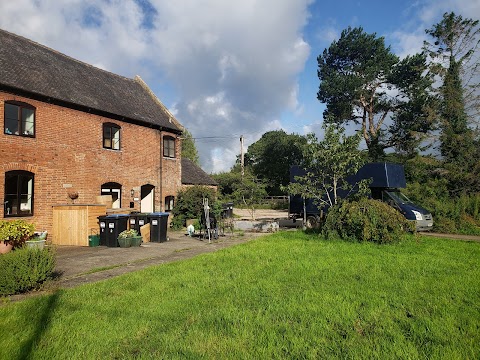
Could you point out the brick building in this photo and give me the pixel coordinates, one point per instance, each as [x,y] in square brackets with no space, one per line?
[69,127]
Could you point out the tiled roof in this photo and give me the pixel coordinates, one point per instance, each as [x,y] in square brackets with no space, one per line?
[34,69]
[194,175]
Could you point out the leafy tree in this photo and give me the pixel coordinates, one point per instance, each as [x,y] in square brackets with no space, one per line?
[226,183]
[328,163]
[363,82]
[189,149]
[272,155]
[454,57]
[249,191]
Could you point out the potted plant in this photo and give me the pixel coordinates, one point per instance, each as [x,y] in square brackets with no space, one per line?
[14,233]
[37,241]
[136,240]
[126,237]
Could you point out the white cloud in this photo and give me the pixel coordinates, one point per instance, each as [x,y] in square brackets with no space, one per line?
[408,43]
[244,55]
[424,14]
[233,65]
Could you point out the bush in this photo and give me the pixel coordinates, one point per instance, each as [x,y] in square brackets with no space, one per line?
[15,232]
[189,205]
[25,269]
[366,220]
[451,214]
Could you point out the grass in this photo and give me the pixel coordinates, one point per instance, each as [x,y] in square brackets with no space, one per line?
[287,295]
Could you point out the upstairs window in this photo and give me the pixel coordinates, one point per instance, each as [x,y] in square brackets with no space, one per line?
[169,147]
[111,136]
[19,119]
[18,193]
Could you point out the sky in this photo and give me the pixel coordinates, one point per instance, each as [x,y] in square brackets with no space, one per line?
[224,68]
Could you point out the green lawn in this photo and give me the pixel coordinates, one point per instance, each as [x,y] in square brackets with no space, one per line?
[287,295]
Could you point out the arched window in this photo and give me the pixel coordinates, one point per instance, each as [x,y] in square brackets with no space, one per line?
[169,201]
[19,119]
[114,189]
[169,146]
[18,193]
[111,136]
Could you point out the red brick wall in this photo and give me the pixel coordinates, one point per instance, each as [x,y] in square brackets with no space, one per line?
[173,166]
[68,149]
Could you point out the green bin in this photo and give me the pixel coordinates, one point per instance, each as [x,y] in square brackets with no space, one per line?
[93,240]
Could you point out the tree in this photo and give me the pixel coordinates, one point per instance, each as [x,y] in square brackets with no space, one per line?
[272,155]
[454,57]
[363,82]
[249,191]
[189,149]
[226,183]
[455,51]
[328,163]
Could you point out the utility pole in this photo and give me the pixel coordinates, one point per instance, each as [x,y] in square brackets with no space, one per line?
[242,163]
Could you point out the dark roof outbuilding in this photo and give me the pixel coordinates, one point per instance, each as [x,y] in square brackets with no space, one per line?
[194,175]
[29,68]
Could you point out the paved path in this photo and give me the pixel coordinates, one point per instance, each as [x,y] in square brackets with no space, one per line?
[454,236]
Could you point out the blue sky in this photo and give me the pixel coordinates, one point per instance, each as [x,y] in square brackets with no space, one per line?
[224,68]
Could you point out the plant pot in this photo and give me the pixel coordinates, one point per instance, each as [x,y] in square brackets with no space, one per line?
[125,242]
[136,241]
[5,247]
[35,244]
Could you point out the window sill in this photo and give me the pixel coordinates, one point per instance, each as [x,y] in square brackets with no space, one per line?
[17,215]
[20,135]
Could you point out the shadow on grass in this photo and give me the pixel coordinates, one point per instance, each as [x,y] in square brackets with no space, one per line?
[42,317]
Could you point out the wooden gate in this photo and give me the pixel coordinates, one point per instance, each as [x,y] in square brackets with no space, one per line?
[72,224]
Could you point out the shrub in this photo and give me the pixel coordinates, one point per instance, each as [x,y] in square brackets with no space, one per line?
[366,220]
[189,205]
[25,269]
[15,232]
[449,212]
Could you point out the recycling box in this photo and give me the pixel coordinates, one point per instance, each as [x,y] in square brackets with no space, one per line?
[137,220]
[110,227]
[158,226]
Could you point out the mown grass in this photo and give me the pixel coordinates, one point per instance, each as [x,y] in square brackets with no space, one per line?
[287,295]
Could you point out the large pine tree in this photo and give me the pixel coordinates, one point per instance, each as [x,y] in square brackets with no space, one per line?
[454,55]
[363,82]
